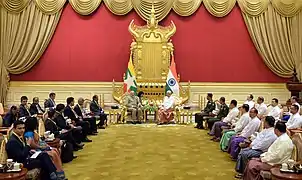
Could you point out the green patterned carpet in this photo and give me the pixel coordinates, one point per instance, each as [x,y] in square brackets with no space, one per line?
[150,152]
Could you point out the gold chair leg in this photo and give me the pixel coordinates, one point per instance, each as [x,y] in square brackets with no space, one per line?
[114,116]
[144,115]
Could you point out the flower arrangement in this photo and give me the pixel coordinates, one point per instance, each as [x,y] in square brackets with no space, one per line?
[149,106]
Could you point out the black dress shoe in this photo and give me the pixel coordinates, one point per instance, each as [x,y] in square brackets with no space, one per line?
[101,127]
[87,140]
[80,145]
[74,157]
[92,134]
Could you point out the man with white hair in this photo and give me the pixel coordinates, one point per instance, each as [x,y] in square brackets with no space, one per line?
[133,105]
[166,111]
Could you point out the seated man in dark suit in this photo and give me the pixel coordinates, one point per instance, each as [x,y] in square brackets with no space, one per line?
[63,134]
[35,107]
[10,117]
[61,122]
[50,102]
[23,109]
[71,114]
[96,109]
[20,151]
[79,109]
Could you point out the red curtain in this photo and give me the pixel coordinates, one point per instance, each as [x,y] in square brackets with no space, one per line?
[96,48]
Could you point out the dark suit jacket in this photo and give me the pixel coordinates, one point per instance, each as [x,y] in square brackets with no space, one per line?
[61,122]
[23,111]
[34,110]
[52,127]
[223,112]
[78,110]
[95,108]
[210,107]
[16,150]
[9,119]
[49,104]
[69,113]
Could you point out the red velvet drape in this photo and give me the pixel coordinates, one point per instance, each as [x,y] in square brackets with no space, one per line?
[96,48]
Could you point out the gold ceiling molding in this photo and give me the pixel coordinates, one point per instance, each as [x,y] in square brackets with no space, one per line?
[186,7]
[85,7]
[119,7]
[253,7]
[219,8]
[288,8]
[50,7]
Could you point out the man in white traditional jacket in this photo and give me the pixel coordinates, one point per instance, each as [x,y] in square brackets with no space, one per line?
[275,112]
[250,101]
[250,129]
[278,153]
[295,120]
[258,146]
[166,111]
[294,100]
[261,107]
[237,127]
[227,121]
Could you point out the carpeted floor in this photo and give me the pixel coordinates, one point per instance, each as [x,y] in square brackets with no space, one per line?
[150,152]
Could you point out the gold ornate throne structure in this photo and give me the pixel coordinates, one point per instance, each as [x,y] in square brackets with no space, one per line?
[151,51]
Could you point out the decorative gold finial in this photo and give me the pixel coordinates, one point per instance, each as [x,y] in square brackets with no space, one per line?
[152,10]
[152,23]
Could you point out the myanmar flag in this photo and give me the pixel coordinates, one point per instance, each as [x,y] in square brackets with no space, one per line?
[172,83]
[130,81]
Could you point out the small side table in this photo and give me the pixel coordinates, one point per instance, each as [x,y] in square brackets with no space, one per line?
[277,175]
[186,116]
[114,115]
[147,112]
[14,175]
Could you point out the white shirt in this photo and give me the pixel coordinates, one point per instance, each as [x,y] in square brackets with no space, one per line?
[76,115]
[279,152]
[54,103]
[231,115]
[250,103]
[242,122]
[264,139]
[275,112]
[251,127]
[262,108]
[169,102]
[295,121]
[39,110]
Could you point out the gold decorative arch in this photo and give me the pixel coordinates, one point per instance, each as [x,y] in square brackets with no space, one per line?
[218,8]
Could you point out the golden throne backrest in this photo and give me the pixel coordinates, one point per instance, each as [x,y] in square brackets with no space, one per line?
[151,51]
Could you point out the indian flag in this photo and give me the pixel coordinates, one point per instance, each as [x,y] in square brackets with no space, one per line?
[129,80]
[172,83]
